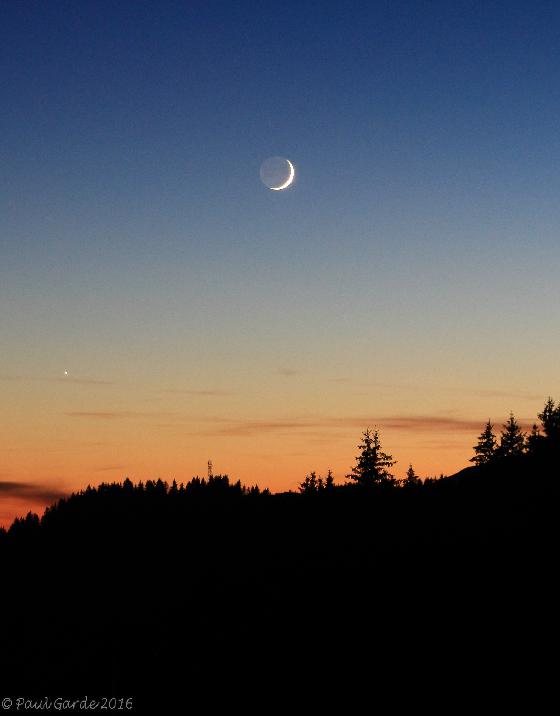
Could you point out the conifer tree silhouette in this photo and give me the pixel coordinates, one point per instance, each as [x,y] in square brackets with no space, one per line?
[372,464]
[310,484]
[411,477]
[315,483]
[485,449]
[512,440]
[329,480]
[533,440]
[550,419]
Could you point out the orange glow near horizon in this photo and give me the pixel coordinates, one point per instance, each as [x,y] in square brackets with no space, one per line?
[64,436]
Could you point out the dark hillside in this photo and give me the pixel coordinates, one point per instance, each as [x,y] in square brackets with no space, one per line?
[130,589]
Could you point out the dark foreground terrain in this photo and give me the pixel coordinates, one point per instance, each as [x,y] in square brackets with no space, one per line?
[214,594]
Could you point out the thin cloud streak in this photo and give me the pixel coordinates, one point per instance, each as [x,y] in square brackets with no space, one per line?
[416,423]
[81,381]
[419,387]
[29,491]
[521,395]
[305,425]
[178,417]
[100,415]
[289,372]
[201,393]
[122,414]
[66,379]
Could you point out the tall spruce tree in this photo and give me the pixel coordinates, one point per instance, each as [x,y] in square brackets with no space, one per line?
[485,449]
[315,483]
[372,464]
[533,440]
[512,440]
[550,419]
[310,484]
[411,478]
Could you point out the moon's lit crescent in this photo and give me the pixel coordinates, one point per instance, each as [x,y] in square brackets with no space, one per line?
[288,181]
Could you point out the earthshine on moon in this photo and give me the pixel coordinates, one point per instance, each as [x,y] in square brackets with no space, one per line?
[277,173]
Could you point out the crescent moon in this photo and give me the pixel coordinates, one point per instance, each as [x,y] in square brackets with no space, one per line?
[288,181]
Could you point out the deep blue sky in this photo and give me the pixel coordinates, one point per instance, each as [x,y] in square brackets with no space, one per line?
[154,115]
[418,244]
[141,110]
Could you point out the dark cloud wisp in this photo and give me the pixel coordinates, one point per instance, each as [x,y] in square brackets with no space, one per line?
[30,491]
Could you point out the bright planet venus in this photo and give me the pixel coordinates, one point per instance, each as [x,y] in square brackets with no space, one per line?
[277,173]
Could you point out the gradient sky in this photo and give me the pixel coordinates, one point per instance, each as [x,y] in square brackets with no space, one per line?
[408,280]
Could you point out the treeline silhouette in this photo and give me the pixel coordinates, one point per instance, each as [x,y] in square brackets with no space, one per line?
[171,592]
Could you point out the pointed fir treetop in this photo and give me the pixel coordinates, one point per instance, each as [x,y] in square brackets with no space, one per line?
[485,449]
[550,419]
[315,483]
[329,480]
[372,464]
[533,439]
[512,440]
[411,477]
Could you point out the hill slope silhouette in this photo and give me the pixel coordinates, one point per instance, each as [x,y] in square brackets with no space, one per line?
[214,591]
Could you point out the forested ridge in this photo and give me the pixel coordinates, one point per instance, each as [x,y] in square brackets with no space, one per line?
[137,588]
